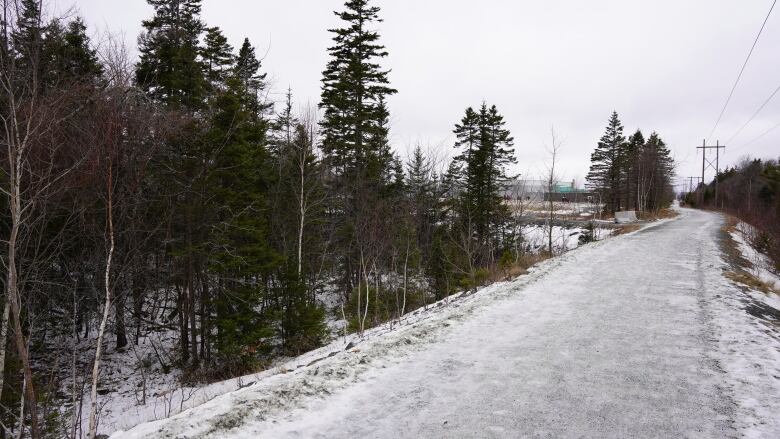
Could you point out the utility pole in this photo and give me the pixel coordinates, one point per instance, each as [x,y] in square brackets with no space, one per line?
[707,164]
[691,187]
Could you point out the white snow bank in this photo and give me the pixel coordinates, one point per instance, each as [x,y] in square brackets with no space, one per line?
[535,237]
[760,265]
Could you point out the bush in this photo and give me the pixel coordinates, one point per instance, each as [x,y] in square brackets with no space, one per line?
[588,235]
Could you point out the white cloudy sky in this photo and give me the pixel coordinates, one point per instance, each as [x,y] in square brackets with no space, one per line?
[664,65]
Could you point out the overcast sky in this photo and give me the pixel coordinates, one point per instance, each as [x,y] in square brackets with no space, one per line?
[663,65]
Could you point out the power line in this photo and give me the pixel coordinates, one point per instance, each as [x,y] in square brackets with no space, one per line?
[731,93]
[708,164]
[759,136]
[754,114]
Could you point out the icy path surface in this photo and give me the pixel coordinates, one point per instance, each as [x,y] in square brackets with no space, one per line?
[638,336]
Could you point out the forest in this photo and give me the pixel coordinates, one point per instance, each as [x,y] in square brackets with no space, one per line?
[750,191]
[631,173]
[169,194]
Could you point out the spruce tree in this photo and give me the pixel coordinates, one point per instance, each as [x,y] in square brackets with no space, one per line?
[498,146]
[487,150]
[354,88]
[632,169]
[605,172]
[69,56]
[240,253]
[285,126]
[28,34]
[217,57]
[658,159]
[467,135]
[354,130]
[171,73]
[252,82]
[27,39]
[169,69]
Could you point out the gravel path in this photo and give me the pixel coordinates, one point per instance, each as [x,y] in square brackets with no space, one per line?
[639,336]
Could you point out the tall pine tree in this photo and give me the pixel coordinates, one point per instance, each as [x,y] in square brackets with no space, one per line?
[354,131]
[354,88]
[252,82]
[606,169]
[217,57]
[487,149]
[169,69]
[632,169]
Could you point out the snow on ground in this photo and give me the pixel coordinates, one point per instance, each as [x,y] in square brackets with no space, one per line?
[135,389]
[637,336]
[759,266]
[564,238]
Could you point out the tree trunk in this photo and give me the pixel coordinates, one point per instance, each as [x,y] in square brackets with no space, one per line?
[106,309]
[121,332]
[3,343]
[14,299]
[406,265]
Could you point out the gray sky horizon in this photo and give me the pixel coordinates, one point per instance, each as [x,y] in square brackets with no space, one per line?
[664,66]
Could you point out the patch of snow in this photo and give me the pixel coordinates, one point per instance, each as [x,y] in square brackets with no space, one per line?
[760,265]
[536,238]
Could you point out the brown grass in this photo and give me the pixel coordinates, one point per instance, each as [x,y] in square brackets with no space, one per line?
[659,214]
[626,228]
[740,275]
[519,268]
[747,279]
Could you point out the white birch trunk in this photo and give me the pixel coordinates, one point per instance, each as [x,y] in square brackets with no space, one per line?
[106,310]
[3,336]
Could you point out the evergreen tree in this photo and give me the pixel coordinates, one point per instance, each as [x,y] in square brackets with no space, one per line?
[27,39]
[467,135]
[658,160]
[354,131]
[241,254]
[487,151]
[171,73]
[354,88]
[217,57]
[285,126]
[420,187]
[606,168]
[633,170]
[69,56]
[247,71]
[28,34]
[169,69]
[497,144]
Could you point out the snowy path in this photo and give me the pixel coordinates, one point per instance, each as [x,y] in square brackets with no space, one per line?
[639,336]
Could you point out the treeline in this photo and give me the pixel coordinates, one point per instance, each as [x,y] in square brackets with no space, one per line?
[633,173]
[750,191]
[171,194]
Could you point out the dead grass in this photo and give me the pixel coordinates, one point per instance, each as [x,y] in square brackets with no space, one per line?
[731,224]
[730,246]
[626,228]
[518,268]
[740,273]
[747,279]
[657,215]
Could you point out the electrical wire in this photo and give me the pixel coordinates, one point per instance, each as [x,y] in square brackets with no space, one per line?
[734,87]
[754,115]
[755,139]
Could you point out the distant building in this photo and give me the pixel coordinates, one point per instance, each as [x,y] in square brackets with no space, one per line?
[568,192]
[525,190]
[537,190]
